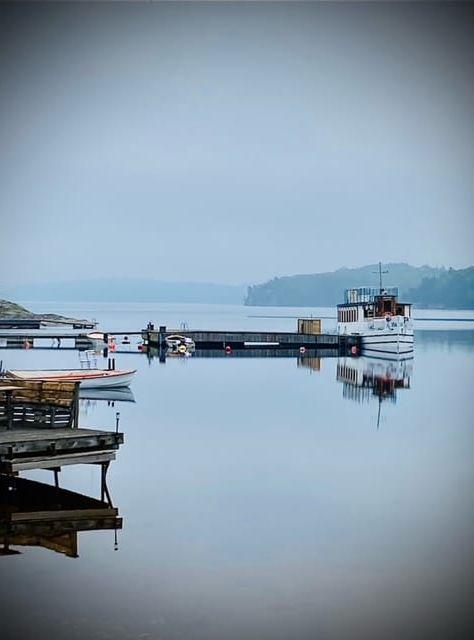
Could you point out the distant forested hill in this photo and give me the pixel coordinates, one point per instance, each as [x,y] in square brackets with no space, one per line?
[453,289]
[327,289]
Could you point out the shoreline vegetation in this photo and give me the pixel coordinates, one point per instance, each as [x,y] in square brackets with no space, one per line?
[426,287]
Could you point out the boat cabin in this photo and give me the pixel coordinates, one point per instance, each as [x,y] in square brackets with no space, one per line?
[366,303]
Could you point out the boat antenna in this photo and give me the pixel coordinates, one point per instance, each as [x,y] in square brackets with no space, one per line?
[380,276]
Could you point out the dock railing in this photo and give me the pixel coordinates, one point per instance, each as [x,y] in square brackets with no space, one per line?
[26,403]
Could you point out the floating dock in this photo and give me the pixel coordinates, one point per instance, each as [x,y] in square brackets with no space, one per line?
[308,335]
[264,340]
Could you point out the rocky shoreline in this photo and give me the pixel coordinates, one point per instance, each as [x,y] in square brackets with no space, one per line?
[12,310]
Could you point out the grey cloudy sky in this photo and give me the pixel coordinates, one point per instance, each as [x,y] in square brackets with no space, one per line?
[233,142]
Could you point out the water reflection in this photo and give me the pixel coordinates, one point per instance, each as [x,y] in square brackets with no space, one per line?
[89,398]
[34,514]
[302,354]
[365,379]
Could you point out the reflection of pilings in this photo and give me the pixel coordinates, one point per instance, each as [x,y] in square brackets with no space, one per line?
[364,393]
[310,362]
[104,490]
[37,514]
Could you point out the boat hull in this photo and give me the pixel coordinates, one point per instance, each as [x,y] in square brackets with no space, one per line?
[88,378]
[387,344]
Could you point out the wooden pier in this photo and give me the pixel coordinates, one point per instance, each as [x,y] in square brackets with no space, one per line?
[240,340]
[22,449]
[307,335]
[39,430]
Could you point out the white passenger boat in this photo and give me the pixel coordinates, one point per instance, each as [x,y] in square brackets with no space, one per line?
[375,314]
[89,378]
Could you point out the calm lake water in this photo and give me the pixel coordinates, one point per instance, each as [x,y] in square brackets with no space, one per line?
[266,498]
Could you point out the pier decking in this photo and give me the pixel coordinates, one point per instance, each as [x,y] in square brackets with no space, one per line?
[256,339]
[22,449]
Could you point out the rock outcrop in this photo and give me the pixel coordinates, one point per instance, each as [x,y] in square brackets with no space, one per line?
[12,310]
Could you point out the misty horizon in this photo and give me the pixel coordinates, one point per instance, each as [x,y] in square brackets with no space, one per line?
[232,143]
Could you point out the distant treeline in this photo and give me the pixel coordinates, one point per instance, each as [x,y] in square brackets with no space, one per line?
[452,289]
[425,286]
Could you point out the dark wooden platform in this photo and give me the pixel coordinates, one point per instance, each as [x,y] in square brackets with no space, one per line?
[34,448]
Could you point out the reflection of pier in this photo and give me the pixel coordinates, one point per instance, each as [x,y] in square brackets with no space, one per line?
[39,430]
[162,354]
[311,362]
[37,514]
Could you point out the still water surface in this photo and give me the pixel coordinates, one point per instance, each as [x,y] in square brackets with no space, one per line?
[265,498]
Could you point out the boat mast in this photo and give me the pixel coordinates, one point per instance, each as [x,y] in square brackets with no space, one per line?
[380,276]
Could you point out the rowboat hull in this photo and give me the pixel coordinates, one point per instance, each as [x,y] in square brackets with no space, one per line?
[88,378]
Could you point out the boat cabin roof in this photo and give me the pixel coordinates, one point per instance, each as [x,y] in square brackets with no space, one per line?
[368,294]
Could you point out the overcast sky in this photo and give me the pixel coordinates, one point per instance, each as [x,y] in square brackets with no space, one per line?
[233,142]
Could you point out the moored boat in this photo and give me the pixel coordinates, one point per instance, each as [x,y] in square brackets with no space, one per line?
[178,344]
[89,378]
[375,314]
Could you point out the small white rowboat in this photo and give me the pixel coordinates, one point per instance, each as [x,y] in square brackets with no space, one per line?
[89,378]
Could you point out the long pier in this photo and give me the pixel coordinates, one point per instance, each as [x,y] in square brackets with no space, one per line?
[256,340]
[203,339]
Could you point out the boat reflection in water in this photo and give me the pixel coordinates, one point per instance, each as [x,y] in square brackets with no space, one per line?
[89,398]
[42,515]
[367,378]
[119,394]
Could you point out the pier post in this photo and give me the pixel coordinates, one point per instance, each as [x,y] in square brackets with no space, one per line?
[161,337]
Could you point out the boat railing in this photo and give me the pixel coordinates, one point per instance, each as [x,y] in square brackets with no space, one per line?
[88,359]
[367,294]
